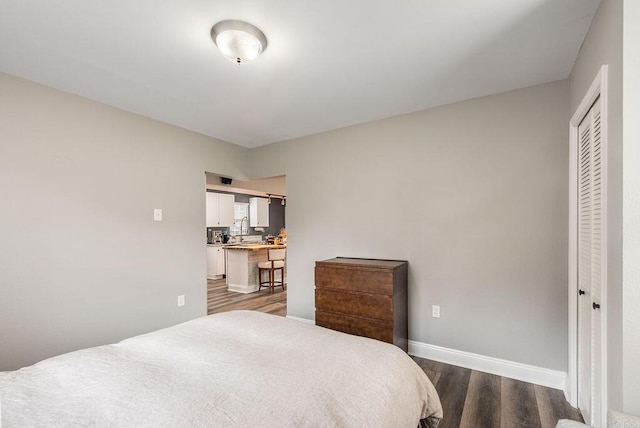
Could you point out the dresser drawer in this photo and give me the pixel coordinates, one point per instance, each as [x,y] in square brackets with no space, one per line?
[375,329]
[378,306]
[360,279]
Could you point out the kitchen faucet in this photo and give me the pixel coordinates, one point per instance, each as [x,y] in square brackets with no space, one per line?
[241,223]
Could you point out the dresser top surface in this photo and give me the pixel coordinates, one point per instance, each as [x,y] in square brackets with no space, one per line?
[379,263]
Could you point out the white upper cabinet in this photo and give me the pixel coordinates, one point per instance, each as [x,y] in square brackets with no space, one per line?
[220,209]
[226,209]
[259,212]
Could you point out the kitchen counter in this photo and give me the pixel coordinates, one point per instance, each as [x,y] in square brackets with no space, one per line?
[253,247]
[242,265]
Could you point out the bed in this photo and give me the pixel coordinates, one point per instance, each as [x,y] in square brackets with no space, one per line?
[239,368]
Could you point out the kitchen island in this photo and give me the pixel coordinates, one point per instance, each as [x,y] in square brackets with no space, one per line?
[242,265]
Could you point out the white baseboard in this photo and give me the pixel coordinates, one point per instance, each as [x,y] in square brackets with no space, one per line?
[245,289]
[523,372]
[308,321]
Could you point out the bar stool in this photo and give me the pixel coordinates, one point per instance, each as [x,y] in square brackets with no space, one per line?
[275,263]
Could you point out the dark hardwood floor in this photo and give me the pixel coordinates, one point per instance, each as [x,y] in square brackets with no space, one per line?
[473,399]
[470,399]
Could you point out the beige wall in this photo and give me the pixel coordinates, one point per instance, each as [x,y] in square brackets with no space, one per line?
[603,45]
[81,260]
[473,195]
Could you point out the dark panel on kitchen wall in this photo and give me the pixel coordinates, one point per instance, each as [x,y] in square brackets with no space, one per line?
[276,217]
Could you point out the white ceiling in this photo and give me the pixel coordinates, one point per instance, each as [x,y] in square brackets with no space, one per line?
[328,64]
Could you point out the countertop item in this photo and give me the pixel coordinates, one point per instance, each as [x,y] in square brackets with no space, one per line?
[366,297]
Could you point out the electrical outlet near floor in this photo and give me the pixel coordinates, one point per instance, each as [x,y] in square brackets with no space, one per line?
[435,311]
[181,300]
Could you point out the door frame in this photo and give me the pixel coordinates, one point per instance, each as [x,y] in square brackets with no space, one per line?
[598,88]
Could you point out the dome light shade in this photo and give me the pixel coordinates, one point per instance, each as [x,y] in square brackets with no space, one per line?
[238,41]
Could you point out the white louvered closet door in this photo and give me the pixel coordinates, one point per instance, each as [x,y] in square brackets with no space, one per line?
[590,192]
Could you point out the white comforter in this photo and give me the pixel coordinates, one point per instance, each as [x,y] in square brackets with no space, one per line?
[237,368]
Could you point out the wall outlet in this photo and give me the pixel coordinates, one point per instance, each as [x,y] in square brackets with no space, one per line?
[435,311]
[181,300]
[157,214]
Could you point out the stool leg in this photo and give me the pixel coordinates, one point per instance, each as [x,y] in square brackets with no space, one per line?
[282,278]
[261,283]
[272,285]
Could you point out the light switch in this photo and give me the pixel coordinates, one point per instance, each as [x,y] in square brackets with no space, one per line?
[181,300]
[157,214]
[435,311]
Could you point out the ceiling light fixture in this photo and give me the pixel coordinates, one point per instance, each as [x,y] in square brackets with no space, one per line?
[238,41]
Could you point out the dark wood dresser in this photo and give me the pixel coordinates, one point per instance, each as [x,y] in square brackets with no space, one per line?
[365,297]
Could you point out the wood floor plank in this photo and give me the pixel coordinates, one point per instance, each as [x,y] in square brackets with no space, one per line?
[483,401]
[552,407]
[571,412]
[452,388]
[519,406]
[425,365]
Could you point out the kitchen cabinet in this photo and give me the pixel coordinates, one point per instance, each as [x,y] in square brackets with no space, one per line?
[366,297]
[220,261]
[215,261]
[258,212]
[220,208]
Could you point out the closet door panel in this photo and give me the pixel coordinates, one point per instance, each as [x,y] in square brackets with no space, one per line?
[590,251]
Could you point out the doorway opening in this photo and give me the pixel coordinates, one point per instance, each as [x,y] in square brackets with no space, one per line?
[245,219]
